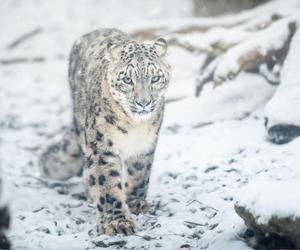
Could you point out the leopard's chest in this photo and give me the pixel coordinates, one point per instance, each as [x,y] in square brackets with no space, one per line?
[138,139]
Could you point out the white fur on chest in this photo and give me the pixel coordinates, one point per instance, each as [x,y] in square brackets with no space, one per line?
[139,139]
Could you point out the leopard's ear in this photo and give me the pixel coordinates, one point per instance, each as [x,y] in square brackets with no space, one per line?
[114,50]
[161,47]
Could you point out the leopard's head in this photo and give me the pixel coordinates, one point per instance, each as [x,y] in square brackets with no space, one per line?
[139,76]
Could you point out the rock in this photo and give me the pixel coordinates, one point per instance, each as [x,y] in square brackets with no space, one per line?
[269,241]
[4,225]
[4,243]
[282,133]
[276,233]
[270,209]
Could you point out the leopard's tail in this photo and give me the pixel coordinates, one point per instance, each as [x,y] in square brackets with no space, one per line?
[62,159]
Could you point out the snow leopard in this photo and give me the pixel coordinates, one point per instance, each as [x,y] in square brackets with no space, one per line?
[118,88]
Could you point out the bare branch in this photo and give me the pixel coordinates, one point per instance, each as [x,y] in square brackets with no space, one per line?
[24,38]
[22,60]
[206,74]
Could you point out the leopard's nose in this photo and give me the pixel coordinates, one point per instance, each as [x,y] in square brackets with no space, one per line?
[143,103]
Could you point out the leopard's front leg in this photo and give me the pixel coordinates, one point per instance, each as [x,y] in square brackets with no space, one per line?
[138,175]
[103,181]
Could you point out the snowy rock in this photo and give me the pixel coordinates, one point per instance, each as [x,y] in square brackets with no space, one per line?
[272,214]
[282,111]
[282,133]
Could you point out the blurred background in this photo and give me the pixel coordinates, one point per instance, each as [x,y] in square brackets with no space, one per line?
[72,18]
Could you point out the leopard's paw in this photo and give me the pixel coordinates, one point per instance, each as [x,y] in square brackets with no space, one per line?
[138,206]
[115,226]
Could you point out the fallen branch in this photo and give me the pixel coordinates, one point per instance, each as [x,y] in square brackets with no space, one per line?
[269,47]
[24,38]
[194,223]
[204,206]
[273,42]
[206,74]
[118,243]
[22,60]
[39,209]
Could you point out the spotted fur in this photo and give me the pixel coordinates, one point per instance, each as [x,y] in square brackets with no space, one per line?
[118,86]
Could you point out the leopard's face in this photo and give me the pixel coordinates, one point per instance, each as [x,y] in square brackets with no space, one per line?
[140,77]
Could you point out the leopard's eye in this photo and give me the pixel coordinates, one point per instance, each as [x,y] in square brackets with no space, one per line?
[127,80]
[155,79]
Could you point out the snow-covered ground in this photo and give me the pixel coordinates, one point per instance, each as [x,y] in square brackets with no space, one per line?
[209,148]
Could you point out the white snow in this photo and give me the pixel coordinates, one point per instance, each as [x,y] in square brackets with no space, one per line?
[209,148]
[235,100]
